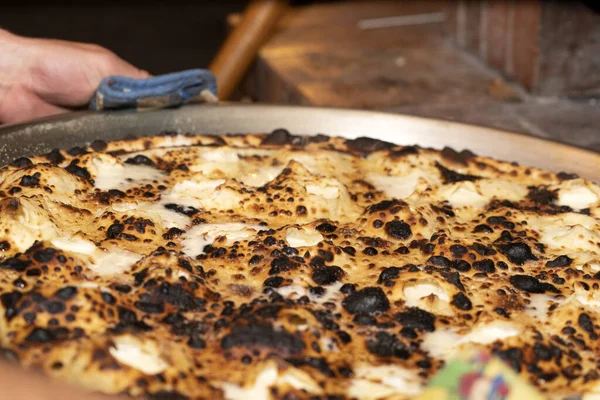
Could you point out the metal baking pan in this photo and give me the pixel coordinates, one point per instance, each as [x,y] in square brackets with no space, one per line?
[80,128]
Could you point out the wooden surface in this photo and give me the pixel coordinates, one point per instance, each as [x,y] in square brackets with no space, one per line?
[239,50]
[319,56]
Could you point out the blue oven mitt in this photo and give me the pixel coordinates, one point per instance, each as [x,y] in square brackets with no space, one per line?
[170,90]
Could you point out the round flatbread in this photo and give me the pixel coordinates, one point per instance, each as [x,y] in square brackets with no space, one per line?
[289,267]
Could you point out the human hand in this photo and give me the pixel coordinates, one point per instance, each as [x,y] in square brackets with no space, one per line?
[17,383]
[41,77]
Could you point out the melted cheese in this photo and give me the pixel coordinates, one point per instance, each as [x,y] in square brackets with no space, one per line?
[141,355]
[266,378]
[587,298]
[463,194]
[75,245]
[539,306]
[327,189]
[120,176]
[113,261]
[377,382]
[398,187]
[261,176]
[302,237]
[196,239]
[445,344]
[571,237]
[577,195]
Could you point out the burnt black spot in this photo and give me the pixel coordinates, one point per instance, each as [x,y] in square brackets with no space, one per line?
[196,343]
[398,229]
[483,228]
[114,230]
[281,137]
[255,259]
[417,318]
[349,250]
[450,176]
[388,274]
[370,251]
[387,345]
[260,335]
[4,245]
[530,284]
[385,205]
[327,275]
[40,335]
[30,180]
[122,288]
[66,293]
[366,145]
[461,301]
[282,264]
[9,301]
[326,228]
[486,265]
[128,237]
[150,308]
[98,145]
[172,233]
[586,323]
[517,252]
[482,250]
[444,210]
[542,352]
[55,307]
[273,281]
[461,265]
[15,264]
[108,298]
[116,193]
[44,255]
[140,160]
[453,278]
[404,151]
[75,151]
[348,288]
[560,261]
[368,300]
[364,320]
[185,210]
[458,251]
[439,261]
[319,364]
[541,195]
[55,157]
[513,356]
[452,155]
[564,176]
[76,170]
[22,162]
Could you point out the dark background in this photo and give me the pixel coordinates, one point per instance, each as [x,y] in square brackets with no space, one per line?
[159,36]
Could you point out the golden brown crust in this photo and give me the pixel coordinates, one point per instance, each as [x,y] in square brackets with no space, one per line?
[265,265]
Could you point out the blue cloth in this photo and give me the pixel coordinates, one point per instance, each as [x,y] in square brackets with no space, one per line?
[170,90]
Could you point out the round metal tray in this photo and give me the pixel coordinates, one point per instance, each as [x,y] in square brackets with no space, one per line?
[80,128]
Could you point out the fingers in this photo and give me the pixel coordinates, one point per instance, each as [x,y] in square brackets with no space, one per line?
[67,74]
[18,104]
[20,384]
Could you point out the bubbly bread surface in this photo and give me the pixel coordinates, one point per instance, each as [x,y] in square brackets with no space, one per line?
[275,266]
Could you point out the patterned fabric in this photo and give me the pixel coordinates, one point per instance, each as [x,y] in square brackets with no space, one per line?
[478,376]
[171,90]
